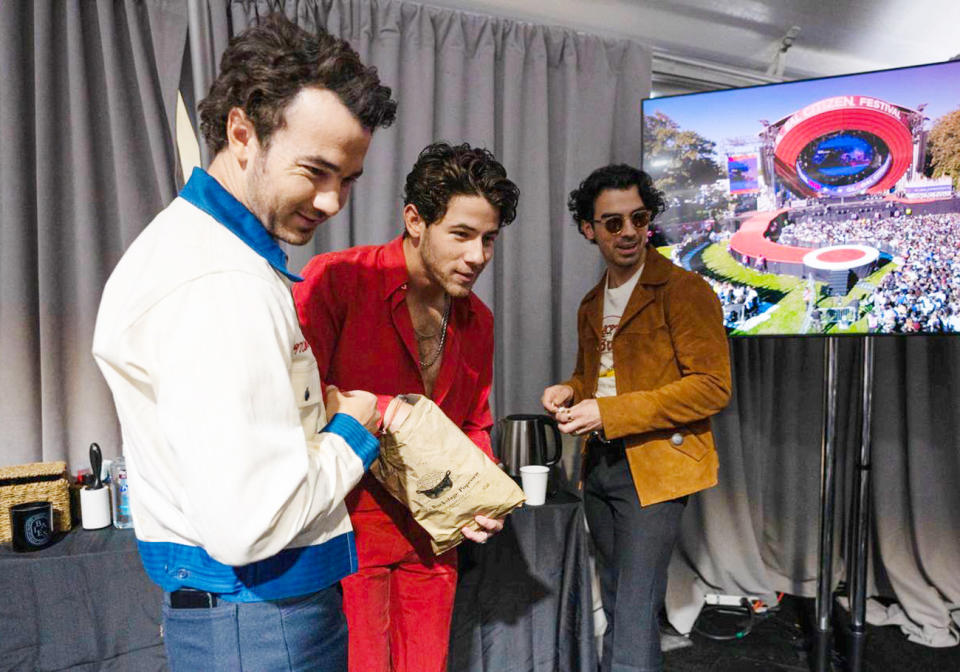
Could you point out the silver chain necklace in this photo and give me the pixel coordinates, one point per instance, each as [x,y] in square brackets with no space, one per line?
[443,337]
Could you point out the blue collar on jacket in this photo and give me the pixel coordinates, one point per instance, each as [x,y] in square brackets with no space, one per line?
[206,193]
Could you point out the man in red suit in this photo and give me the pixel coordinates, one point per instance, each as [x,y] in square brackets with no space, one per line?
[401,318]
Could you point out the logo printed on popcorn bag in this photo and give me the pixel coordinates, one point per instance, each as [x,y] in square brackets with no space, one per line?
[460,492]
[438,489]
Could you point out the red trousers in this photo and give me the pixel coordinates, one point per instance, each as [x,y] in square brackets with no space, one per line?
[399,604]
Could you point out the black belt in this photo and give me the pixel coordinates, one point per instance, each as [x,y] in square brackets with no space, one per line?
[190,598]
[598,443]
[599,449]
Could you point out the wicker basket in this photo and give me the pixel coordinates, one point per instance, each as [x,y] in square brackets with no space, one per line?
[35,482]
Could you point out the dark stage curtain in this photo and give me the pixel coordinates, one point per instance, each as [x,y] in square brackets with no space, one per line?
[757,532]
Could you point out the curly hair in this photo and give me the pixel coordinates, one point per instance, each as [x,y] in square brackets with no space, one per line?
[615,176]
[267,65]
[443,171]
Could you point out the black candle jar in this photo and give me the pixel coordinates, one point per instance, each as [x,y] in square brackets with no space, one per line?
[32,525]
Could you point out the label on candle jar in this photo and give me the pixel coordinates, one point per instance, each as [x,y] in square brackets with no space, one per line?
[36,529]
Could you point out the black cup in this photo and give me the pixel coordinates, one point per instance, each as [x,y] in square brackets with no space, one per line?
[32,525]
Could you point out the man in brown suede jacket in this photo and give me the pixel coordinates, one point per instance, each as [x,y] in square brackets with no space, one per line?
[652,367]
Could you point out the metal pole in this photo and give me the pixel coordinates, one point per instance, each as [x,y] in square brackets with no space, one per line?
[824,631]
[860,515]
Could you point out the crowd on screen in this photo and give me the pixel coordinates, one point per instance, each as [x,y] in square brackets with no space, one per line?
[740,302]
[811,232]
[923,293]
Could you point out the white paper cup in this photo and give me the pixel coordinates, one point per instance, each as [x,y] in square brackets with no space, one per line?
[534,479]
[95,508]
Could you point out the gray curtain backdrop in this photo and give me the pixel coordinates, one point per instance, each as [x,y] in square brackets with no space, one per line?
[87,158]
[87,95]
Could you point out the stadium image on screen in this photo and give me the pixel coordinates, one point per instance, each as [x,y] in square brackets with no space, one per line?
[822,206]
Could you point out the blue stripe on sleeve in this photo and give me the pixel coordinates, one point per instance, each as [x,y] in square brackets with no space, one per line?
[362,442]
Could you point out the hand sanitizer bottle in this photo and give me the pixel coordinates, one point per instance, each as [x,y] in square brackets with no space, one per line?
[120,494]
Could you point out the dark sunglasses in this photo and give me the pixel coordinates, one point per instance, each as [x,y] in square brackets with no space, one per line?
[614,223]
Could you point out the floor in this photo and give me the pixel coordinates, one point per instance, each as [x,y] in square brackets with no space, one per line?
[778,641]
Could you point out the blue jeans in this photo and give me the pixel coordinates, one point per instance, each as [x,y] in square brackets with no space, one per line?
[296,633]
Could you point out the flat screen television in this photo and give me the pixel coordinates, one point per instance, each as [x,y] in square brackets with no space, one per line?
[821,206]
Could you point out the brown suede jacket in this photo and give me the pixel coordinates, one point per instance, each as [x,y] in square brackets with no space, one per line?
[672,366]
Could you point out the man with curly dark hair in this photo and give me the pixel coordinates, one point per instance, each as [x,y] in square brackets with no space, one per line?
[401,318]
[652,367]
[237,478]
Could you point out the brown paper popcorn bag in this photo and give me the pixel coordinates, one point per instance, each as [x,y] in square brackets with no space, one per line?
[438,473]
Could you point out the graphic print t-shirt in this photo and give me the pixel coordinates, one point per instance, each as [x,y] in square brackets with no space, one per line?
[614,302]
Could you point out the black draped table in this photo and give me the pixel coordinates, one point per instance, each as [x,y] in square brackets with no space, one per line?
[524,601]
[84,604]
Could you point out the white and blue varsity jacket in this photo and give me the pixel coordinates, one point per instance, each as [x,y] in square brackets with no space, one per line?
[236,479]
